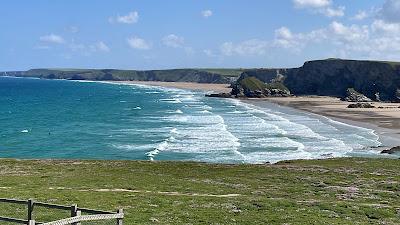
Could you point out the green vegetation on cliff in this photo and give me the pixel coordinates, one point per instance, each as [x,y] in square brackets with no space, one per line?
[252,84]
[334,191]
[172,75]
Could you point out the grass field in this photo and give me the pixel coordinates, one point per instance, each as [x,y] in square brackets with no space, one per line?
[337,191]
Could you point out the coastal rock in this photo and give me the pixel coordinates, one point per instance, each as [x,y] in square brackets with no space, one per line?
[332,77]
[219,95]
[361,105]
[252,87]
[391,151]
[355,96]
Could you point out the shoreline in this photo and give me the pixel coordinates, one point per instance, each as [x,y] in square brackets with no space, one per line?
[207,87]
[385,122]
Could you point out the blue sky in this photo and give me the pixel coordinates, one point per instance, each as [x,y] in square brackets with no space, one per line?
[158,34]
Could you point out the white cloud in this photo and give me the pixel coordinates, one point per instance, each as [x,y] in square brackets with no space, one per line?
[390,11]
[100,46]
[295,42]
[206,13]
[334,12]
[323,7]
[384,27]
[348,34]
[360,15]
[88,49]
[173,41]
[138,43]
[379,40]
[311,3]
[245,48]
[132,17]
[52,38]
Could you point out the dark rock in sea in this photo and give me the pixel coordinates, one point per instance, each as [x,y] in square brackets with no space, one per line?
[219,95]
[361,105]
[355,96]
[391,151]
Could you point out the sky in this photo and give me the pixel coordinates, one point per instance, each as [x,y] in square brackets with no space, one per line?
[159,34]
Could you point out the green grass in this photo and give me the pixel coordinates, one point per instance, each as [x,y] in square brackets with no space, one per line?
[224,72]
[276,85]
[337,191]
[252,84]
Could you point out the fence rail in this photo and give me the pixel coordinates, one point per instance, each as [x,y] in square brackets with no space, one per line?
[66,214]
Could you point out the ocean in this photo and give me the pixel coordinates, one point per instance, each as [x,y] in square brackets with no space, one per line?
[58,119]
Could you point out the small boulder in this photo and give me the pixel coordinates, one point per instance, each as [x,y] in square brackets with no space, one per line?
[391,151]
[219,95]
[361,105]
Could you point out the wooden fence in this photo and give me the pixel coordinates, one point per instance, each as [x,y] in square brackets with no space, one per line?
[75,213]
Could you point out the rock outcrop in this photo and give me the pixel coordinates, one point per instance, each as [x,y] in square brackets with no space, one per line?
[219,95]
[332,77]
[252,87]
[393,150]
[360,105]
[355,96]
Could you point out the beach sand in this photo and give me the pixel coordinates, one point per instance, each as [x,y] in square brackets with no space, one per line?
[215,88]
[388,116]
[385,121]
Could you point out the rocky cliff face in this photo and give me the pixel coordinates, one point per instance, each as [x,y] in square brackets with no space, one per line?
[333,77]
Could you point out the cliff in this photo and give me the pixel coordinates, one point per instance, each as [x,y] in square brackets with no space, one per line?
[332,77]
[174,75]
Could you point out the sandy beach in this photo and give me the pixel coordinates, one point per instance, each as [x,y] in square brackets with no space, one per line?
[384,115]
[216,88]
[384,118]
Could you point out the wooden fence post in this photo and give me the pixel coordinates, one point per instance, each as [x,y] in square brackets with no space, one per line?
[74,210]
[30,209]
[120,221]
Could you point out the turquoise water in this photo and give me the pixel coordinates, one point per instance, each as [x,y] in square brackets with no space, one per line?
[92,120]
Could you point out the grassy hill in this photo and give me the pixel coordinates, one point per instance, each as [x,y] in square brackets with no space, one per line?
[335,191]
